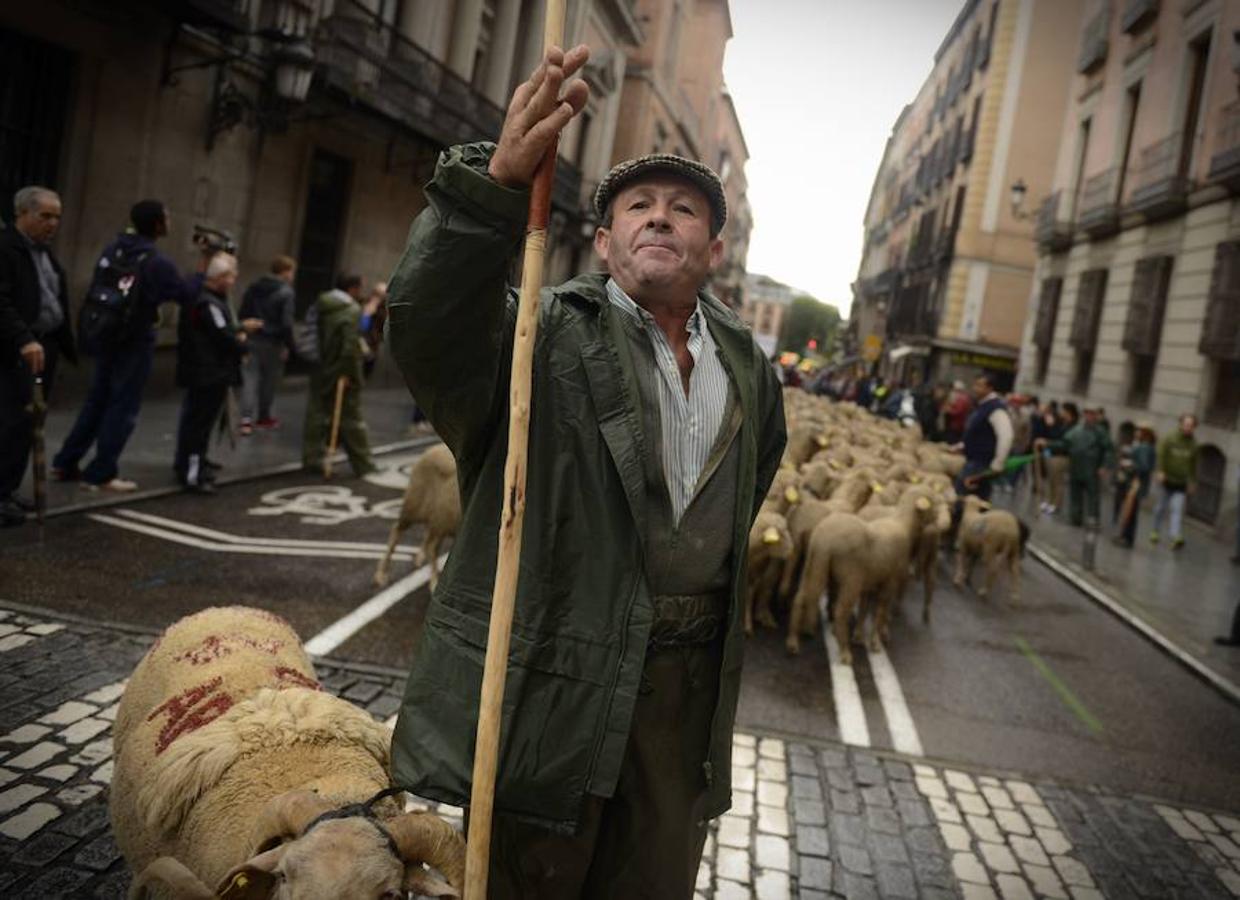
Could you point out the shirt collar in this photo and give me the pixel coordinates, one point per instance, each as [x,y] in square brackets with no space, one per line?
[624,302]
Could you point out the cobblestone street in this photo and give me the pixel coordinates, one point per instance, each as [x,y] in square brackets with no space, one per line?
[808,820]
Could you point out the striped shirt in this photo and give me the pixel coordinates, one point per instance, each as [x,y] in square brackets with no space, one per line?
[690,424]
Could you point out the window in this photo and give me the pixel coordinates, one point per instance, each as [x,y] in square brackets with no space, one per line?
[1082,151]
[1198,58]
[1143,328]
[1224,393]
[1220,332]
[583,138]
[1085,319]
[1132,99]
[1044,325]
[1140,379]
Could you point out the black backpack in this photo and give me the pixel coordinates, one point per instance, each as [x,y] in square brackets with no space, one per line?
[112,301]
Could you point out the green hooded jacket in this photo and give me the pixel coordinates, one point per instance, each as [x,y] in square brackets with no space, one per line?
[1089,449]
[1177,459]
[583,608]
[340,353]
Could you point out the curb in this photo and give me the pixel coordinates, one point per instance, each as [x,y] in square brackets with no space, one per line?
[282,469]
[1051,560]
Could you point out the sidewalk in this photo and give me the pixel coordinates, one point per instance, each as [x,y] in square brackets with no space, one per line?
[809,820]
[1187,596]
[148,456]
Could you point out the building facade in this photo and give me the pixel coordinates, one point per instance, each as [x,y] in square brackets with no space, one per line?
[305,127]
[1137,302]
[764,309]
[948,260]
[674,101]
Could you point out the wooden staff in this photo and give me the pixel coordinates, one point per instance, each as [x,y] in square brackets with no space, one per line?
[503,601]
[341,383]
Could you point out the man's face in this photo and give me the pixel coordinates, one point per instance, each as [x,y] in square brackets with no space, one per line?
[41,222]
[1188,424]
[1091,417]
[981,388]
[359,291]
[659,236]
[223,283]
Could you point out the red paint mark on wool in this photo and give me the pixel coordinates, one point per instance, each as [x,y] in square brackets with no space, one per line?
[215,646]
[292,678]
[190,710]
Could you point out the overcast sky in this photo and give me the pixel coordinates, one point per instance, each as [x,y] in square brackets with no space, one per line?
[818,85]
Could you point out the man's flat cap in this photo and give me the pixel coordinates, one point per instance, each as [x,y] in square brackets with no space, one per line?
[625,173]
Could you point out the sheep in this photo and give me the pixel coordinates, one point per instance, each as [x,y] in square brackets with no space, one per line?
[770,545]
[850,496]
[926,543]
[994,535]
[433,498]
[853,558]
[228,752]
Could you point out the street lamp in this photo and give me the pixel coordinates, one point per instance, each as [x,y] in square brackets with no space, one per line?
[294,67]
[1019,190]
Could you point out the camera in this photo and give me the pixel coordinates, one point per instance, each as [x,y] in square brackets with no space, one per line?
[213,240]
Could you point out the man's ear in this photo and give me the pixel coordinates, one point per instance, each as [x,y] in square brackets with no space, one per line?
[716,253]
[602,242]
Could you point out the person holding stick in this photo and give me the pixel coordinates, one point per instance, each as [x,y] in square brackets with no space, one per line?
[1135,467]
[340,357]
[655,428]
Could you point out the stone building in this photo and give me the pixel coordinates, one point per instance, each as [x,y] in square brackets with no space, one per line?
[947,266]
[765,308]
[1137,303]
[305,127]
[675,101]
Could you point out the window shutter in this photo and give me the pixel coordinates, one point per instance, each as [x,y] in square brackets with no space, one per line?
[1220,332]
[1048,311]
[1143,329]
[1088,309]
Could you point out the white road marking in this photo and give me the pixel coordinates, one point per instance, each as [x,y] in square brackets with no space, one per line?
[226,538]
[344,628]
[284,549]
[848,708]
[904,735]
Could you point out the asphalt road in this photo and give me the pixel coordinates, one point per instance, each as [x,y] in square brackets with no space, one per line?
[1050,687]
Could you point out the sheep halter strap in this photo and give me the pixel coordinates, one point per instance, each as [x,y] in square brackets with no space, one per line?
[360,811]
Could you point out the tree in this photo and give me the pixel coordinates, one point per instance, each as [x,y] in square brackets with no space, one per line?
[808,319]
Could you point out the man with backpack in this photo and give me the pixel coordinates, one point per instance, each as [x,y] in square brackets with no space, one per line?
[117,326]
[34,332]
[270,299]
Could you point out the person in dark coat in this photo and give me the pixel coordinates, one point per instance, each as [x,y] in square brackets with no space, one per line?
[270,299]
[210,346]
[986,441]
[34,332]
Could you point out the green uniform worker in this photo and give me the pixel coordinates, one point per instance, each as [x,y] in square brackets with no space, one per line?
[656,427]
[340,356]
[1090,454]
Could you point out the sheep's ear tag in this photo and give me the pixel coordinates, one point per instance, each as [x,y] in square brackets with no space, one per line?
[791,495]
[835,463]
[771,535]
[938,487]
[249,884]
[923,503]
[914,478]
[822,441]
[876,487]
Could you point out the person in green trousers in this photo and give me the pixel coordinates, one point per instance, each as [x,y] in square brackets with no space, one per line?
[339,315]
[1090,454]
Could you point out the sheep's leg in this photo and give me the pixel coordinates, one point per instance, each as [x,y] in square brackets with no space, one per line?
[991,562]
[763,596]
[1014,562]
[928,578]
[959,578]
[430,552]
[844,607]
[791,564]
[381,571]
[751,591]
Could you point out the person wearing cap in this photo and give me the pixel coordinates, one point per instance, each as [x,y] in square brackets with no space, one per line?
[110,412]
[656,427]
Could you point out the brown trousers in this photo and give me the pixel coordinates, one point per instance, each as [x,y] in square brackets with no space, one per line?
[645,841]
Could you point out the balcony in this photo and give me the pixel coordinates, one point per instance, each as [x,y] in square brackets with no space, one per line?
[1095,44]
[1137,14]
[219,15]
[1052,233]
[945,247]
[1099,216]
[371,64]
[1160,187]
[1225,163]
[911,313]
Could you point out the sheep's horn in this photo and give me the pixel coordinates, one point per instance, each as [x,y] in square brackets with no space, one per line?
[424,837]
[285,817]
[171,872]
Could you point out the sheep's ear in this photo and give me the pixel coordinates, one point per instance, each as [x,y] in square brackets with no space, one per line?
[923,503]
[822,440]
[254,879]
[984,505]
[173,874]
[771,535]
[791,494]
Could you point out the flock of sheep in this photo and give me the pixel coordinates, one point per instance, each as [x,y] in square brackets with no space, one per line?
[235,769]
[860,506]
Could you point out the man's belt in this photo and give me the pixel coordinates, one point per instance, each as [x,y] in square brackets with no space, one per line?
[688,620]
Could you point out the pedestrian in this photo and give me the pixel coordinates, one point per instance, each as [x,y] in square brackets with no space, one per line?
[210,344]
[1122,476]
[272,300]
[1022,410]
[1056,422]
[1141,457]
[1090,453]
[956,410]
[34,333]
[339,314]
[656,428]
[123,362]
[987,440]
[1177,473]
[374,314]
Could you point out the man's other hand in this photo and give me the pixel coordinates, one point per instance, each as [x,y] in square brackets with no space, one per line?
[32,354]
[537,114]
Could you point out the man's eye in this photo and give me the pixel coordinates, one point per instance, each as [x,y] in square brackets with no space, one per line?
[686,209]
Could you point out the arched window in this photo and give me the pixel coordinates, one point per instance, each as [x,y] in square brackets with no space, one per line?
[1211,475]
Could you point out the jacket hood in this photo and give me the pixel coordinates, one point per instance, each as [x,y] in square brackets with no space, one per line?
[130,240]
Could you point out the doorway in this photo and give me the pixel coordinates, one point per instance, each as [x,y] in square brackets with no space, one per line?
[327,201]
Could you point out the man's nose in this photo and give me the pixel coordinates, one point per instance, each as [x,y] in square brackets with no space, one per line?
[659,219]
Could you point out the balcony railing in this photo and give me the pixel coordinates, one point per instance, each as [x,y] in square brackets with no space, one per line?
[1095,44]
[368,60]
[911,312]
[1160,189]
[1137,14]
[1099,215]
[1225,163]
[1051,232]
